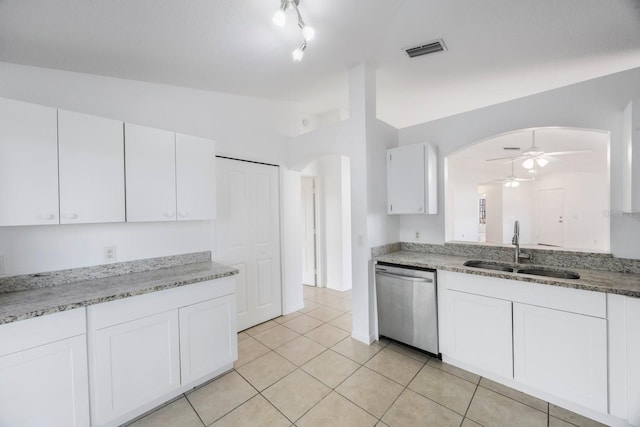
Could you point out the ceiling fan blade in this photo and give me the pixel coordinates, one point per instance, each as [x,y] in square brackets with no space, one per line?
[562,153]
[505,158]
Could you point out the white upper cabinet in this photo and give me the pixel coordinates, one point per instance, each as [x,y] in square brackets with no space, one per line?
[91,162]
[151,174]
[196,178]
[169,176]
[412,186]
[28,164]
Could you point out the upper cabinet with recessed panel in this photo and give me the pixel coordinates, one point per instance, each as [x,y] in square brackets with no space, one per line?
[28,164]
[412,180]
[91,161]
[195,178]
[169,176]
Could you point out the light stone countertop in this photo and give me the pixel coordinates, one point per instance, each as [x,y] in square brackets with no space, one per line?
[591,280]
[25,304]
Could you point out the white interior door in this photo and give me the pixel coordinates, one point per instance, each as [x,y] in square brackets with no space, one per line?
[550,217]
[308,232]
[248,236]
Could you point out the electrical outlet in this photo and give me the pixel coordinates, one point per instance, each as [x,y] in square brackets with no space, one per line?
[417,235]
[2,267]
[109,253]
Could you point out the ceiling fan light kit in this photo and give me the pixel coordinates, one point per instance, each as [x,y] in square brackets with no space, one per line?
[535,156]
[280,20]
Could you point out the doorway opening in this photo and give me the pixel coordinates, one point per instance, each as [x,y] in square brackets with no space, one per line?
[326,213]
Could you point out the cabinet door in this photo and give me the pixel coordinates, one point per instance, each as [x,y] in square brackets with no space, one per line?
[208,339]
[406,179]
[632,321]
[28,164]
[196,178]
[135,363]
[151,174]
[46,385]
[479,332]
[91,159]
[562,353]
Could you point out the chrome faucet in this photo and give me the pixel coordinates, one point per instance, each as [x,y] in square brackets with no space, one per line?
[516,241]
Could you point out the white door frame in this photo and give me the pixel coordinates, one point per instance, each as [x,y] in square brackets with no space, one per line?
[317,200]
[309,229]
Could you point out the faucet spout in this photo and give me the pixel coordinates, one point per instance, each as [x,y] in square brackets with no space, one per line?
[516,241]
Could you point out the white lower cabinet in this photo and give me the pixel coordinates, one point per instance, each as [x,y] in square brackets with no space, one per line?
[562,353]
[45,385]
[147,349]
[207,337]
[135,363]
[43,371]
[479,332]
[633,359]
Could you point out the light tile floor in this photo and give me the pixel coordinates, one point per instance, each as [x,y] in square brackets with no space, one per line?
[304,369]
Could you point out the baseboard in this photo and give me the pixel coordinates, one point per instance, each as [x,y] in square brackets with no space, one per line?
[363,338]
[289,310]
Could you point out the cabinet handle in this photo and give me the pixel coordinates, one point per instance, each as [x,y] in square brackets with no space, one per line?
[420,209]
[70,216]
[170,214]
[47,216]
[183,214]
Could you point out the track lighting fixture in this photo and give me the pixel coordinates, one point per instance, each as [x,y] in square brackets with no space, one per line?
[280,19]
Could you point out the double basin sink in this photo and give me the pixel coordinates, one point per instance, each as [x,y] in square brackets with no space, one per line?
[535,271]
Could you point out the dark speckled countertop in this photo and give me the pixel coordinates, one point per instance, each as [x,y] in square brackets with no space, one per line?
[590,280]
[38,301]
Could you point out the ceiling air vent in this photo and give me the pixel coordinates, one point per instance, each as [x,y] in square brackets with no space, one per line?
[434,46]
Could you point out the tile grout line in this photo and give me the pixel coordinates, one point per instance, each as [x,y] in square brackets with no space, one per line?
[194,409]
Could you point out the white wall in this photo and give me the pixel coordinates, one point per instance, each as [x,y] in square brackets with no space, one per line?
[55,247]
[291,238]
[517,206]
[594,104]
[362,139]
[243,127]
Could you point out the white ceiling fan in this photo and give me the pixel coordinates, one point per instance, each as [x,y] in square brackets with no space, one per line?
[535,156]
[512,180]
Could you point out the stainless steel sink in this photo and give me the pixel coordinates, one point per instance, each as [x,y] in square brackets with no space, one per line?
[558,274]
[488,265]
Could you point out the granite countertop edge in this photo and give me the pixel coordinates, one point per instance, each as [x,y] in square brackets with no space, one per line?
[31,303]
[626,284]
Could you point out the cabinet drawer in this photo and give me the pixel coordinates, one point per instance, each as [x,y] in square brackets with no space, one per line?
[24,334]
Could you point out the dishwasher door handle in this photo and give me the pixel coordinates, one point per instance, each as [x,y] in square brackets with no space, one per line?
[408,278]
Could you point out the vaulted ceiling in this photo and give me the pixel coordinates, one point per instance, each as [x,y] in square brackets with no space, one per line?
[498,49]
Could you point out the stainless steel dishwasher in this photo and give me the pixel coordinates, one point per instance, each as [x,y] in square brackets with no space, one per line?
[408,305]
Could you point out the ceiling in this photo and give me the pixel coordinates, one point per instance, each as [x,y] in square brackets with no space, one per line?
[498,49]
[593,156]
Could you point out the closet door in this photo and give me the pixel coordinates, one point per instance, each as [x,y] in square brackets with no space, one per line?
[248,236]
[28,164]
[151,174]
[91,163]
